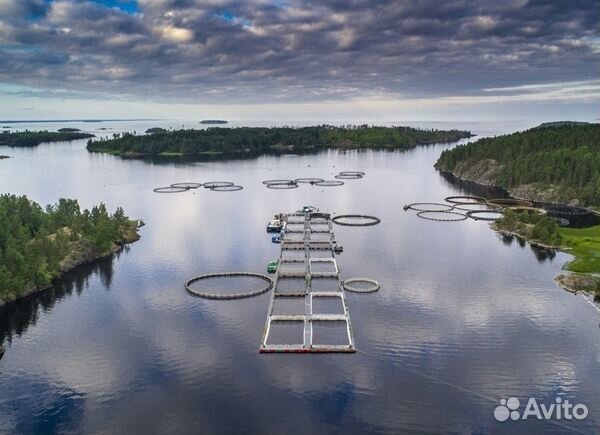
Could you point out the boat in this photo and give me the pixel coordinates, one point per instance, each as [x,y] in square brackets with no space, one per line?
[272,266]
[276,239]
[275,226]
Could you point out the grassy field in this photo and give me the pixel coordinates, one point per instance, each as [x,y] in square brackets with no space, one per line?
[584,244]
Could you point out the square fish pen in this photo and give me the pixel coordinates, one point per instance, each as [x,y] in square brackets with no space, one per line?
[308,311]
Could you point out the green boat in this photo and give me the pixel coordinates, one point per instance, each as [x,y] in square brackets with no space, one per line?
[272,266]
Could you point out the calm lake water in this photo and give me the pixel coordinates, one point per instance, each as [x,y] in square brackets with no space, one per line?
[463,319]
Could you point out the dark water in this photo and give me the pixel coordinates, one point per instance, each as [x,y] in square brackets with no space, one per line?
[464,318]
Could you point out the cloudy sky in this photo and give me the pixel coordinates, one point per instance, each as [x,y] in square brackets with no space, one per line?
[300,59]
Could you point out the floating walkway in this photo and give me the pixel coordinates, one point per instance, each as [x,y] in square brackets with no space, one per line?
[308,311]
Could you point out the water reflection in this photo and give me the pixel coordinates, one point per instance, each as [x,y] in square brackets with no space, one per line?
[462,319]
[16,317]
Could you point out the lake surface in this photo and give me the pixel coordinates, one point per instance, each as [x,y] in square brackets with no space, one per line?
[464,318]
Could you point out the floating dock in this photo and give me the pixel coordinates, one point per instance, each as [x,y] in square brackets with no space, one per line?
[308,311]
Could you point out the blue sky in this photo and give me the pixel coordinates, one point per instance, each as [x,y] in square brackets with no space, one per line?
[411,59]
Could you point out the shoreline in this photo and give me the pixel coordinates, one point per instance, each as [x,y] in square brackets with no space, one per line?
[128,239]
[572,282]
[510,193]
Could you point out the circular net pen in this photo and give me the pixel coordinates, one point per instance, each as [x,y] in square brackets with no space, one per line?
[465,200]
[476,207]
[278,186]
[510,202]
[361,285]
[566,211]
[348,177]
[278,182]
[232,188]
[170,189]
[485,215]
[213,184]
[353,173]
[187,185]
[355,220]
[428,206]
[329,183]
[212,285]
[309,180]
[528,210]
[442,216]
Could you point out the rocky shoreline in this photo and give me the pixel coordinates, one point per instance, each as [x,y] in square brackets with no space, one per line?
[83,254]
[550,194]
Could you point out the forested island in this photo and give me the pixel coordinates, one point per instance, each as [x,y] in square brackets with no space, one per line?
[68,130]
[154,130]
[555,162]
[213,121]
[34,138]
[218,140]
[37,245]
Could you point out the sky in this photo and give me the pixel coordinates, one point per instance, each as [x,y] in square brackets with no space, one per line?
[321,60]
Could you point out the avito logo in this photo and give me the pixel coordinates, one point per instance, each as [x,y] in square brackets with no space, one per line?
[559,410]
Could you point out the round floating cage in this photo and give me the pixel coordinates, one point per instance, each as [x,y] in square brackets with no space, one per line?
[510,202]
[566,210]
[529,210]
[475,206]
[232,188]
[282,186]
[465,200]
[309,180]
[442,216]
[329,183]
[373,285]
[352,173]
[187,185]
[429,206]
[278,182]
[348,176]
[221,296]
[213,184]
[170,189]
[479,215]
[367,220]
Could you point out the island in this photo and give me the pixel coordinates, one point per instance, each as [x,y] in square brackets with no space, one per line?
[256,140]
[34,138]
[213,121]
[4,157]
[552,163]
[68,130]
[38,245]
[154,130]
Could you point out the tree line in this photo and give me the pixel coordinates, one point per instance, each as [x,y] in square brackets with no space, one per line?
[258,139]
[567,156]
[33,138]
[34,241]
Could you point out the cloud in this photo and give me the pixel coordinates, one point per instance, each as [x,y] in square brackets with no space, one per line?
[297,51]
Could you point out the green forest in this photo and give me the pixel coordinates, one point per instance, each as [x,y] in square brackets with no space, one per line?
[34,138]
[565,156]
[37,244]
[258,140]
[534,227]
